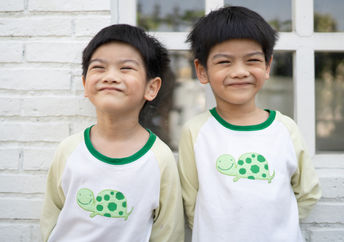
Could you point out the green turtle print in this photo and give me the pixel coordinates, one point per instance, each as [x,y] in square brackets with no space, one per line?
[250,165]
[108,203]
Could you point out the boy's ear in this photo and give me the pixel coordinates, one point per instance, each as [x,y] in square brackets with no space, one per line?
[201,72]
[84,83]
[268,68]
[152,88]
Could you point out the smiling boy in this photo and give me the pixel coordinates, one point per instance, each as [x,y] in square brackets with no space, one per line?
[116,181]
[245,173]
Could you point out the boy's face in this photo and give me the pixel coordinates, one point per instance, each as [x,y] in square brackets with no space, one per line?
[116,79]
[236,70]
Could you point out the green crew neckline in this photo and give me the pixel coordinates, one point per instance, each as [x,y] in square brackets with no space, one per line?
[256,127]
[118,161]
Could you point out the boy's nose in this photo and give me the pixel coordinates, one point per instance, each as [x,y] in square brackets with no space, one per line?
[111,76]
[239,71]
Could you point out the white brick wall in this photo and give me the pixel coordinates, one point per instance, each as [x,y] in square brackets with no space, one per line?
[41,102]
[41,98]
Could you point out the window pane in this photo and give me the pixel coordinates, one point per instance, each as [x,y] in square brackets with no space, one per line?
[328,16]
[277,92]
[169,15]
[329,81]
[185,98]
[275,12]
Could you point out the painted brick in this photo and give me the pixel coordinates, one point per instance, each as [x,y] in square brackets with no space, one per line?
[15,232]
[86,108]
[22,183]
[60,52]
[89,26]
[37,158]
[11,51]
[63,106]
[39,131]
[32,26]
[35,79]
[9,106]
[327,235]
[326,212]
[82,124]
[9,159]
[20,208]
[13,5]
[67,5]
[42,106]
[77,83]
[332,183]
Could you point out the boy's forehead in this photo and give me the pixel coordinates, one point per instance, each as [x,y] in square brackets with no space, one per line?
[119,51]
[237,46]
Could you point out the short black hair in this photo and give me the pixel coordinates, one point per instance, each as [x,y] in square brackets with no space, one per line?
[233,22]
[154,55]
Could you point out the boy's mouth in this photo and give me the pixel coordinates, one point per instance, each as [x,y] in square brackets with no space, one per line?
[110,89]
[239,84]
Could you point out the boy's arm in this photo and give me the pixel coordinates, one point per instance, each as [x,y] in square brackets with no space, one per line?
[305,184]
[188,174]
[168,222]
[54,198]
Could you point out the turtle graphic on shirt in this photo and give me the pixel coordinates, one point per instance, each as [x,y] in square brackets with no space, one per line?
[250,165]
[108,203]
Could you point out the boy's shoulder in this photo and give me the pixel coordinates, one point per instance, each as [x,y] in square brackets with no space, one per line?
[288,122]
[163,154]
[68,145]
[72,140]
[197,121]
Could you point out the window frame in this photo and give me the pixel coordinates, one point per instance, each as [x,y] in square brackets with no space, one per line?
[302,41]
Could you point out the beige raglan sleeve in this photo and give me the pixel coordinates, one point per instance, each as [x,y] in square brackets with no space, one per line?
[188,174]
[187,164]
[305,181]
[54,196]
[168,225]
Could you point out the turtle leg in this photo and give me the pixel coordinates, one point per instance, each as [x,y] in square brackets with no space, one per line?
[235,179]
[271,177]
[93,214]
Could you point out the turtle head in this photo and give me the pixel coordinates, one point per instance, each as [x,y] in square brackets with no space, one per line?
[226,164]
[85,199]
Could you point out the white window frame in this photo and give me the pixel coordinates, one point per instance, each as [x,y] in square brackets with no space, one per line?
[302,41]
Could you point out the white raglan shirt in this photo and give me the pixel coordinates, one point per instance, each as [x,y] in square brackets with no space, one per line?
[253,202]
[126,195]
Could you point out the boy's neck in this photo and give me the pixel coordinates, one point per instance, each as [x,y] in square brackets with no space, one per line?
[243,116]
[118,136]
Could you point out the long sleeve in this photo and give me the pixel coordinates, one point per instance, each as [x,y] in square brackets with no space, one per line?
[54,199]
[305,182]
[168,225]
[188,174]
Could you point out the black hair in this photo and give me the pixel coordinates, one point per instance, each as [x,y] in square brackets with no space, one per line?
[228,23]
[153,53]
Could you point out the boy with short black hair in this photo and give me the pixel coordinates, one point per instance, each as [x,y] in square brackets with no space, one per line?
[116,181]
[245,173]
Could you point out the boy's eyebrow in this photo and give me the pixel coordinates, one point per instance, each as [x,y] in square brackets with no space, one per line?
[121,61]
[230,56]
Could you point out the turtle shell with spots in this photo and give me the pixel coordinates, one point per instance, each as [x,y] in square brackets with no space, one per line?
[250,165]
[108,203]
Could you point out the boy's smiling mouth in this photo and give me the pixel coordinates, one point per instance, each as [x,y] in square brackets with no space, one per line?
[110,89]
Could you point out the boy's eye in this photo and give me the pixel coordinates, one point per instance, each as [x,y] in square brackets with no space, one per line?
[127,68]
[224,62]
[254,60]
[97,67]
